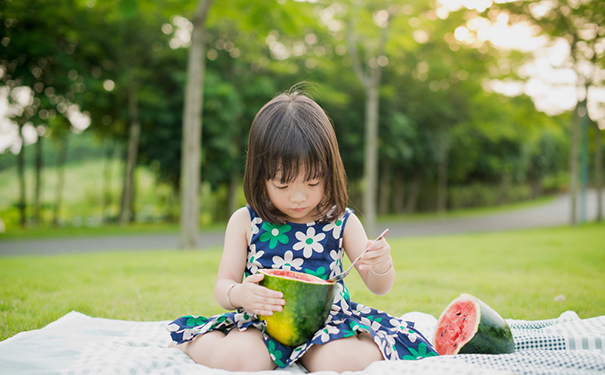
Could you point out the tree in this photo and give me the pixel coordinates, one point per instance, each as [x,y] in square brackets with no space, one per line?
[38,44]
[368,72]
[577,22]
[192,130]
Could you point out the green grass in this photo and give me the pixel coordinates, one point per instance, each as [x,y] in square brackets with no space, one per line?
[517,273]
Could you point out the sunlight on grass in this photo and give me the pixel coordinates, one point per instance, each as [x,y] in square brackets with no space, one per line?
[518,273]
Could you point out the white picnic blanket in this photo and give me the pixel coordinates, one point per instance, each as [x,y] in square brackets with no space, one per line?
[78,344]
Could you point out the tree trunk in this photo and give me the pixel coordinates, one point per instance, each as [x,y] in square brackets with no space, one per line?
[126,213]
[410,206]
[398,193]
[235,178]
[385,189]
[172,205]
[106,202]
[584,154]
[370,79]
[444,150]
[21,176]
[598,165]
[371,159]
[573,164]
[192,132]
[38,188]
[234,190]
[61,158]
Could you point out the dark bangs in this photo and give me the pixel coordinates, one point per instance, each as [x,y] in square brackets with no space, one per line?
[291,153]
[291,135]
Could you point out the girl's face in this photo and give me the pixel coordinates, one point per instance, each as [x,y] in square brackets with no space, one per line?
[296,199]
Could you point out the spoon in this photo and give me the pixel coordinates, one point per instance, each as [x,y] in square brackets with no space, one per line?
[344,274]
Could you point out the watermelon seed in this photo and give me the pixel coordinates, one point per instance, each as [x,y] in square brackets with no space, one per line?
[459,313]
[455,345]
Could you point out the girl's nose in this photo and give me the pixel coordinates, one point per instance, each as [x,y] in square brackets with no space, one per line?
[298,196]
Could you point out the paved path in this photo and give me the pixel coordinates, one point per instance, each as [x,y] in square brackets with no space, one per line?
[553,213]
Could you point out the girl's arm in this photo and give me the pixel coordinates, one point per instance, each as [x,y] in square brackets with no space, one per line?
[376,266]
[229,291]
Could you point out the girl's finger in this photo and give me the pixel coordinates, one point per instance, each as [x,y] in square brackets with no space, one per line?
[268,293]
[256,278]
[267,309]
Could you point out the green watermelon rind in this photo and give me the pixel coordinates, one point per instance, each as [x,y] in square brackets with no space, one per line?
[308,305]
[491,335]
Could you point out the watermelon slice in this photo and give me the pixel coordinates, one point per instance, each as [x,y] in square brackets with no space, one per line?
[308,303]
[468,325]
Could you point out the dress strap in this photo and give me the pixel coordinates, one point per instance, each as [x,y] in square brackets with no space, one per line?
[252,213]
[255,220]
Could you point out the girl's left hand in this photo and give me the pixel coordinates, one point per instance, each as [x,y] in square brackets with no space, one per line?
[378,258]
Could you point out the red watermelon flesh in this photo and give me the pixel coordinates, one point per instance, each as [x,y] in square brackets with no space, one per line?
[468,325]
[296,276]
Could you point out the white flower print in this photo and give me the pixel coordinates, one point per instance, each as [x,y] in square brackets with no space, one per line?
[371,323]
[188,334]
[362,309]
[335,227]
[324,334]
[335,265]
[399,324]
[253,256]
[254,225]
[309,242]
[389,347]
[287,262]
[339,295]
[402,327]
[296,353]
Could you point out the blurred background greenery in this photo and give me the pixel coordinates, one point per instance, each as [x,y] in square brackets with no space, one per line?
[481,103]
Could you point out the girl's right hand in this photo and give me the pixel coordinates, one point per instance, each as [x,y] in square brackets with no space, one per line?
[256,298]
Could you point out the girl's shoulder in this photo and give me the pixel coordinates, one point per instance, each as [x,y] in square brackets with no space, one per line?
[239,223]
[239,219]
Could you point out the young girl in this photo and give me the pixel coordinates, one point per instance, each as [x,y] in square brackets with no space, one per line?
[296,219]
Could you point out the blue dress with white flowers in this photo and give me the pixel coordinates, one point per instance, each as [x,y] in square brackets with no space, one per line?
[314,248]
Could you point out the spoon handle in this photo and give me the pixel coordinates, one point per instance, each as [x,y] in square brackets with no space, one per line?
[344,274]
[382,235]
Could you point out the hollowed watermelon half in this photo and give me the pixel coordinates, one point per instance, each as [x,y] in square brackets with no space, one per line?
[308,303]
[468,325]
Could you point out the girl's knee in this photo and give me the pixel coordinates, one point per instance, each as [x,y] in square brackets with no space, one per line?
[244,351]
[247,357]
[237,351]
[350,354]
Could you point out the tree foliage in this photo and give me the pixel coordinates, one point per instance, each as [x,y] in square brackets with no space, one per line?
[439,126]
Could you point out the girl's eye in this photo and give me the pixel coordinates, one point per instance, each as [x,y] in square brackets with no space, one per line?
[313,184]
[281,187]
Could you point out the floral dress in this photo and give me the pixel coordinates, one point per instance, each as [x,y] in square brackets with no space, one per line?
[314,248]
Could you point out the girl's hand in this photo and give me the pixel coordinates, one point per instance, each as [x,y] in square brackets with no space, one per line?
[378,258]
[256,298]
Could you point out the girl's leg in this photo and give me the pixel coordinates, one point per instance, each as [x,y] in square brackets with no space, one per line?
[346,354]
[236,351]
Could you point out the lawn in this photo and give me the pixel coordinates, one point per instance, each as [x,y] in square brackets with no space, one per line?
[530,274]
